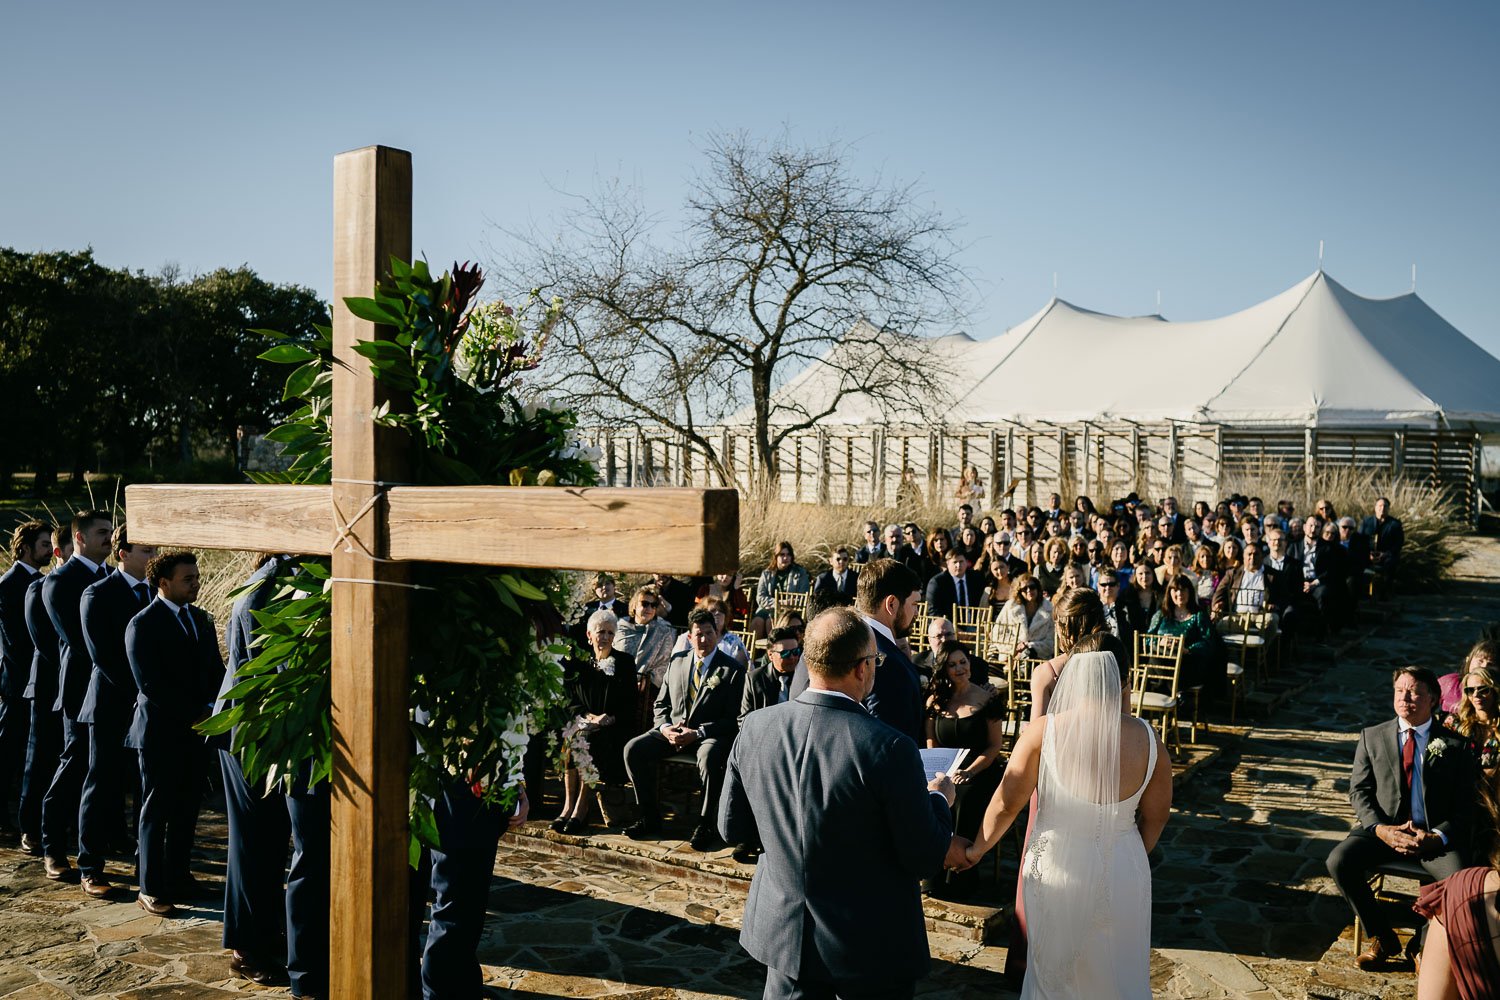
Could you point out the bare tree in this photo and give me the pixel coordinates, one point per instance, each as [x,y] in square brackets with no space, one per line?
[786,261]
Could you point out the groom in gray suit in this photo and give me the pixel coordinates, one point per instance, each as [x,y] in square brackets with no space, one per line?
[837,799]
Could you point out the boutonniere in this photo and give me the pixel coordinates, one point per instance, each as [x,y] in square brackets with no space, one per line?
[1435,748]
[605,666]
[714,681]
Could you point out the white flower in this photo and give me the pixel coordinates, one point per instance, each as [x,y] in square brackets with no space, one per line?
[606,666]
[1435,748]
[715,681]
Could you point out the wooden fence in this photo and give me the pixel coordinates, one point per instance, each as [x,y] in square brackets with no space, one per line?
[863,466]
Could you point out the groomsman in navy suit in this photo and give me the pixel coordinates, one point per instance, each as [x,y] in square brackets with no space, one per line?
[106,609]
[889,594]
[44,742]
[30,549]
[255,904]
[62,594]
[174,658]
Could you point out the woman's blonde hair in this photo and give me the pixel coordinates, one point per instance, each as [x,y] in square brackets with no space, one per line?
[1489,675]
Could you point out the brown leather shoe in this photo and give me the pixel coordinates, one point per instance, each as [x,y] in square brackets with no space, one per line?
[155,907]
[97,886]
[261,975]
[31,844]
[1377,953]
[58,869]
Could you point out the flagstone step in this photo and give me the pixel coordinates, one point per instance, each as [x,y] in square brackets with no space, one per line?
[719,872]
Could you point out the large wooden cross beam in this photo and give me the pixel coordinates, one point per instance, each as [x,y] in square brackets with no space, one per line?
[633,530]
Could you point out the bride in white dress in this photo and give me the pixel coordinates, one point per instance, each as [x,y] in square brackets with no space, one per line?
[1102,804]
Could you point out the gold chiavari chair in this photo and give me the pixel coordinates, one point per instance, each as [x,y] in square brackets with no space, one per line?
[1154,682]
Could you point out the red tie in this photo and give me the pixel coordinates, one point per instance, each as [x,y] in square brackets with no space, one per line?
[1408,760]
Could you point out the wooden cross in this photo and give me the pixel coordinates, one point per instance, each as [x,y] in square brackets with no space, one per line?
[683,531]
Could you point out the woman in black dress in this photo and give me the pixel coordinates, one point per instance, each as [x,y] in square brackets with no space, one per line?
[601,691]
[961,713]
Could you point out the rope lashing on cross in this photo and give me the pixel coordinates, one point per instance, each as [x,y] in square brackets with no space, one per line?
[347,538]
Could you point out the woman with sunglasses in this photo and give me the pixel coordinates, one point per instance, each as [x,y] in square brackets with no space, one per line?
[1031,610]
[964,714]
[1478,716]
[648,638]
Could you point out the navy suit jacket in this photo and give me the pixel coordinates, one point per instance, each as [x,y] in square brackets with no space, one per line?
[942,593]
[827,583]
[840,804]
[42,684]
[239,635]
[62,593]
[897,697]
[176,675]
[16,647]
[106,609]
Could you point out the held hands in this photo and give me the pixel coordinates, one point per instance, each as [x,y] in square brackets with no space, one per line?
[1410,841]
[959,857]
[681,737]
[523,809]
[943,785]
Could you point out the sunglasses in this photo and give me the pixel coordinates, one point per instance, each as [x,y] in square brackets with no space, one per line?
[1109,584]
[785,653]
[1486,689]
[650,604]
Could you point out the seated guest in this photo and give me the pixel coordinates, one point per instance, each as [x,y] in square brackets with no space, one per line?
[1231,556]
[1119,557]
[1194,539]
[727,587]
[1477,718]
[676,598]
[1116,620]
[955,588]
[1412,788]
[1319,571]
[647,638]
[1151,548]
[915,540]
[697,712]
[895,545]
[939,631]
[962,713]
[1387,538]
[965,519]
[1054,558]
[1170,531]
[997,582]
[1173,564]
[873,548]
[605,598]
[1250,532]
[1205,572]
[1075,576]
[601,693]
[836,584]
[1078,550]
[939,544]
[1251,587]
[1223,529]
[1354,560]
[987,526]
[783,575]
[1142,600]
[1285,510]
[769,682]
[729,643]
[1203,653]
[1032,611]
[970,543]
[1326,513]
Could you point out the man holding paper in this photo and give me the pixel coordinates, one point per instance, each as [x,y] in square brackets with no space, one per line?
[837,800]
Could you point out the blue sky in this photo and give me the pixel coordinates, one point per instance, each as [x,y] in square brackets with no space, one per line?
[1199,149]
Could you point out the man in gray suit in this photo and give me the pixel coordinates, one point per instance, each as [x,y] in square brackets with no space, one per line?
[1413,790]
[837,799]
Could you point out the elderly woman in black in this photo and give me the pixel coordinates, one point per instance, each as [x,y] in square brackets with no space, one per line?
[601,692]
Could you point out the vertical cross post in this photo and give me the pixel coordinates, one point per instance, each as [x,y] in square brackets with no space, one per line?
[368,865]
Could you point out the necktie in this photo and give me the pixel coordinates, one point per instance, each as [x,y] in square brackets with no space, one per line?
[1408,769]
[142,594]
[963,593]
[187,622]
[696,682]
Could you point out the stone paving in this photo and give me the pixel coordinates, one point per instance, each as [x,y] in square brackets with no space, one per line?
[1243,906]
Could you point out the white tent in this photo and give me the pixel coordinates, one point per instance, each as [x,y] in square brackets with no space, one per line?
[1317,355]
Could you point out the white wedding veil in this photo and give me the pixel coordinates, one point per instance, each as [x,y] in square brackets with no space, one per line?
[1078,787]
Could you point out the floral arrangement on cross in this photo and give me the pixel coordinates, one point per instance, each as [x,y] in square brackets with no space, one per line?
[486,644]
